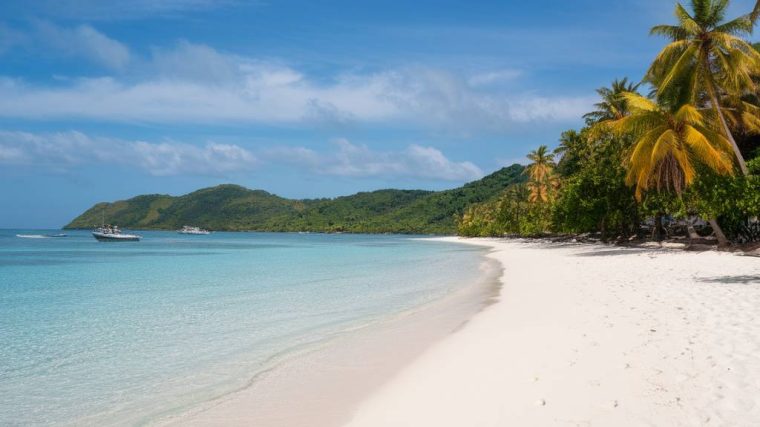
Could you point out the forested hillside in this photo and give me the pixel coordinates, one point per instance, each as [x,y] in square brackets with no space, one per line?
[232,207]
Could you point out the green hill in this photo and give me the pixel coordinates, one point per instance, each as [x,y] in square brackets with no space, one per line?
[232,207]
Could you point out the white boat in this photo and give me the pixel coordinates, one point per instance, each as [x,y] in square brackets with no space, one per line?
[40,236]
[113,234]
[193,230]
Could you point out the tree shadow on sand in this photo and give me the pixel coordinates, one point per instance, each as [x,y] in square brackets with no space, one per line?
[613,252]
[741,279]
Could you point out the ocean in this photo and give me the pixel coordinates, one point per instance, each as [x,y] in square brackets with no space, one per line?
[95,333]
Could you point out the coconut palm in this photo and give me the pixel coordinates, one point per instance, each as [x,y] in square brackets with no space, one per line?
[572,148]
[707,57]
[743,113]
[670,140]
[541,174]
[612,106]
[542,165]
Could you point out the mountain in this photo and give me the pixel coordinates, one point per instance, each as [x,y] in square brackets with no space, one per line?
[232,207]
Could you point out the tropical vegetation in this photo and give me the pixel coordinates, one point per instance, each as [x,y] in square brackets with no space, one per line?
[235,208]
[679,151]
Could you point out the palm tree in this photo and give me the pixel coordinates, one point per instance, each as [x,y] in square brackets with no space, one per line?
[670,141]
[569,141]
[541,174]
[707,57]
[543,164]
[573,146]
[612,106]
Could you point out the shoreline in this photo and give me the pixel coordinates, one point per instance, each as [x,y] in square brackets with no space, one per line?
[330,380]
[585,334]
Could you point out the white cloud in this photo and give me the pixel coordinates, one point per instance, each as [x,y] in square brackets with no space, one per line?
[176,159]
[64,150]
[542,108]
[198,84]
[86,42]
[360,161]
[194,62]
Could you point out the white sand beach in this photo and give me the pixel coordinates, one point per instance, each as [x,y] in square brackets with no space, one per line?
[592,335]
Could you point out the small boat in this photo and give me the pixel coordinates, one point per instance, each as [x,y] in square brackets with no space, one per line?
[193,230]
[109,233]
[40,236]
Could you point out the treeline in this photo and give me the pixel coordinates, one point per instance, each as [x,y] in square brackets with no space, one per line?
[687,148]
[235,208]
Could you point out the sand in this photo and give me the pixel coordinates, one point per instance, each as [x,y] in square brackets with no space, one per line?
[592,335]
[321,386]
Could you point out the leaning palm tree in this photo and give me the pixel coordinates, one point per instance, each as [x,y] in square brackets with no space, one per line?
[670,141]
[541,174]
[708,57]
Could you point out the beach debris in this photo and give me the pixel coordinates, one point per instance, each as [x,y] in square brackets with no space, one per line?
[614,403]
[540,402]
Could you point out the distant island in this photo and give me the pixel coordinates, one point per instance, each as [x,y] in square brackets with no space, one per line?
[235,208]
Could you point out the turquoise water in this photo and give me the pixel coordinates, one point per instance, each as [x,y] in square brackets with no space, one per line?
[102,333]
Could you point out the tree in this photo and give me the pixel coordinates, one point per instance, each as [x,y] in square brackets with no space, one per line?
[672,141]
[541,174]
[669,140]
[708,58]
[612,106]
[571,147]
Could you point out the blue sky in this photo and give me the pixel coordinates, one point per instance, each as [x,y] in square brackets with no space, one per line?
[104,100]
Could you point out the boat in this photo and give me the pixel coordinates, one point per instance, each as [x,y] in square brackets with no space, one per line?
[40,236]
[108,233]
[193,230]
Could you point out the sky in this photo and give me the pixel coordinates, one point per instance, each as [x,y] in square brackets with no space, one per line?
[104,100]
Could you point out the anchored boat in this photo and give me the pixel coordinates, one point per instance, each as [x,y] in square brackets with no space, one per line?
[108,233]
[193,230]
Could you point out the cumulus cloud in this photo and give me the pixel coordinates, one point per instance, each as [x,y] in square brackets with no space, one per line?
[86,42]
[64,150]
[354,160]
[196,83]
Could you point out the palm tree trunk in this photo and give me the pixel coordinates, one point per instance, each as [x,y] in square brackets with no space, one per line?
[658,228]
[726,130]
[722,240]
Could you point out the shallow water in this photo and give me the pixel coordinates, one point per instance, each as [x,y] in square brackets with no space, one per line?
[122,333]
